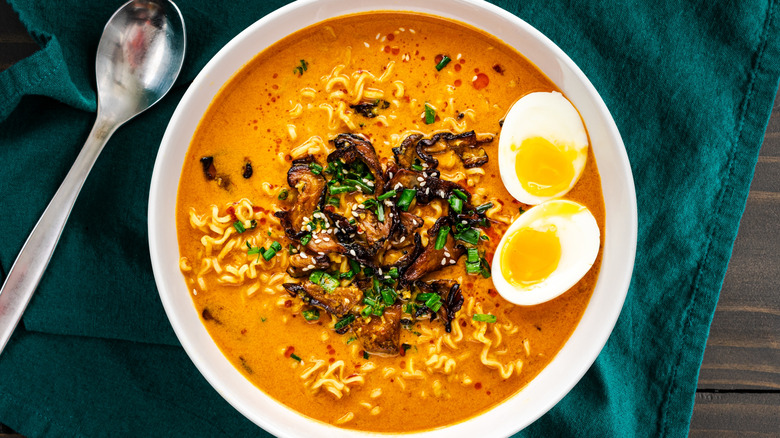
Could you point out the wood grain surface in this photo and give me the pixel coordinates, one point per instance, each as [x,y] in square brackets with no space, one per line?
[739,382]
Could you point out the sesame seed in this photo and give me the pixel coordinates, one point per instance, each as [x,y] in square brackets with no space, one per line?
[304,255]
[443,262]
[421,179]
[352,252]
[464,222]
[321,253]
[402,239]
[446,254]
[327,239]
[379,271]
[422,184]
[390,175]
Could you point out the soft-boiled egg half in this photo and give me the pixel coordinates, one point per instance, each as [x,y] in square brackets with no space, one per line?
[543,147]
[545,252]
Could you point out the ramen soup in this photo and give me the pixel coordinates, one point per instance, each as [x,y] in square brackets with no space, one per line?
[338,211]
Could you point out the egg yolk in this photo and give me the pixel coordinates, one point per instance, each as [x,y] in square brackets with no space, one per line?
[543,168]
[530,256]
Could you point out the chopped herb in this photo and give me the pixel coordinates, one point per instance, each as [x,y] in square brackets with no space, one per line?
[301,68]
[283,195]
[484,237]
[484,207]
[469,235]
[407,196]
[435,308]
[354,266]
[424,296]
[296,357]
[253,224]
[430,302]
[334,201]
[315,168]
[430,114]
[386,195]
[443,63]
[305,239]
[473,267]
[461,194]
[239,226]
[484,267]
[351,339]
[345,321]
[388,296]
[482,317]
[365,188]
[405,347]
[269,233]
[311,315]
[393,272]
[271,252]
[316,276]
[253,249]
[329,283]
[441,238]
[291,249]
[473,255]
[417,167]
[341,189]
[365,354]
[263,319]
[456,203]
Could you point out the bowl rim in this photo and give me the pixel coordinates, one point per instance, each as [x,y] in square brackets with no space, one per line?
[277,418]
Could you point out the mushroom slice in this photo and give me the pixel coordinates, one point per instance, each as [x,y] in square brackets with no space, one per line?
[406,152]
[380,334]
[351,148]
[404,227]
[311,192]
[433,259]
[339,302]
[303,264]
[375,232]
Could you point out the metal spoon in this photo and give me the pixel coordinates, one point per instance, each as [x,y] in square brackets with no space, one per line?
[138,58]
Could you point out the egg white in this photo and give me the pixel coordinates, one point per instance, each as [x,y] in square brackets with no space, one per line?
[542,114]
[579,236]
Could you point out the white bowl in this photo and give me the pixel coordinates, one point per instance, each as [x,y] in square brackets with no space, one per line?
[577,355]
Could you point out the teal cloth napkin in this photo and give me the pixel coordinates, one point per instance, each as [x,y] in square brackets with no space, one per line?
[689,83]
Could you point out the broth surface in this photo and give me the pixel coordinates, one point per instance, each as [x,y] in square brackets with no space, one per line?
[290,101]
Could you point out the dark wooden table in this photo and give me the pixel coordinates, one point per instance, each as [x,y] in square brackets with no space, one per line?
[739,384]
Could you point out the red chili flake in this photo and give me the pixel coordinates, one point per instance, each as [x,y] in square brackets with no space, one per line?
[480,81]
[390,37]
[276,75]
[438,58]
[422,58]
[243,331]
[462,60]
[463,323]
[331,360]
[289,351]
[396,50]
[478,385]
[256,208]
[288,303]
[386,49]
[402,365]
[255,128]
[457,82]
[458,67]
[232,212]
[498,68]
[487,392]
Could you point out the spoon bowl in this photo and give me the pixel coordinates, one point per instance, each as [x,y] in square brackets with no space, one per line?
[138,59]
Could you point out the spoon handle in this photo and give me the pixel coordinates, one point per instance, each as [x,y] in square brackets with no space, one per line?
[31,262]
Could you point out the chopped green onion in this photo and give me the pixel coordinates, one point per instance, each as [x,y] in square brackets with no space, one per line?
[441,238]
[424,296]
[365,355]
[443,63]
[365,188]
[481,317]
[430,302]
[386,195]
[315,168]
[239,226]
[271,252]
[473,255]
[469,236]
[296,357]
[430,114]
[484,237]
[343,322]
[351,340]
[316,276]
[388,296]
[435,308]
[341,189]
[379,310]
[334,201]
[393,272]
[484,267]
[283,195]
[328,283]
[366,312]
[376,286]
[354,265]
[473,268]
[253,224]
[347,275]
[456,203]
[484,207]
[461,194]
[305,239]
[311,315]
[380,212]
[407,196]
[417,167]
